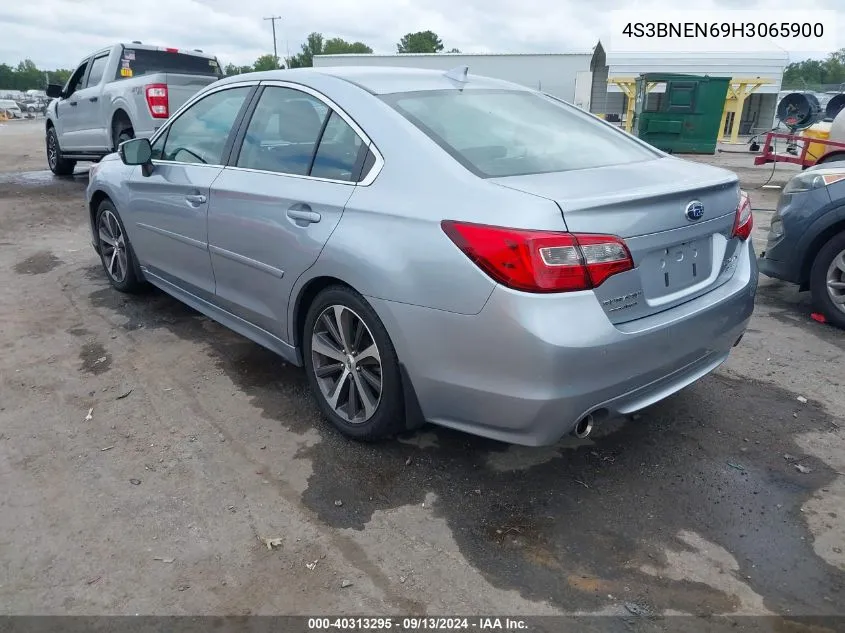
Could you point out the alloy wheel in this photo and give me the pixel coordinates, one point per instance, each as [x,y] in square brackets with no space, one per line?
[347,364]
[52,150]
[836,281]
[112,246]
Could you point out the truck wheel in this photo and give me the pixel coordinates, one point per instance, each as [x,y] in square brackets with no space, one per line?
[122,132]
[58,165]
[827,280]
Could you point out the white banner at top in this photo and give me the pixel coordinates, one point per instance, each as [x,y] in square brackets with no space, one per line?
[796,30]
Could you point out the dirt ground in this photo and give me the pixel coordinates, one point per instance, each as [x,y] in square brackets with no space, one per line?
[145,452]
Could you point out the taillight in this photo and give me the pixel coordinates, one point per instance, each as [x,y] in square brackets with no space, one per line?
[744,221]
[157,100]
[540,261]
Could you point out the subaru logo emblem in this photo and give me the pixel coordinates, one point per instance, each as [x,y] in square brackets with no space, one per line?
[694,211]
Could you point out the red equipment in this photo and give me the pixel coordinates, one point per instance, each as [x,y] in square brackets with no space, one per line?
[803,158]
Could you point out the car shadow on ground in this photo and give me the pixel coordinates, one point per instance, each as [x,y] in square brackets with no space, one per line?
[581,524]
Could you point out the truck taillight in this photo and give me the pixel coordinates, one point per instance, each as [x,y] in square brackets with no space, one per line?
[744,221]
[540,261]
[157,100]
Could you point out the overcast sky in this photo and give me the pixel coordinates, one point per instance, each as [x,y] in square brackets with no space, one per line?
[57,33]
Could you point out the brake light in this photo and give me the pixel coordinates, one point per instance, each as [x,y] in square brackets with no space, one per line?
[744,221]
[157,100]
[540,261]
[171,50]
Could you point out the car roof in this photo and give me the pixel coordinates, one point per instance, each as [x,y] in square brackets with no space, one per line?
[383,79]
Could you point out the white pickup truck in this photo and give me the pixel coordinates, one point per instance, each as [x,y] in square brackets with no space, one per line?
[118,93]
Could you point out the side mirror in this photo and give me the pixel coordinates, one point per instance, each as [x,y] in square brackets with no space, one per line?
[54,91]
[136,151]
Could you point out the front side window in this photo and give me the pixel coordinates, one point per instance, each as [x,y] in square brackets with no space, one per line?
[75,81]
[98,68]
[497,133]
[283,132]
[200,133]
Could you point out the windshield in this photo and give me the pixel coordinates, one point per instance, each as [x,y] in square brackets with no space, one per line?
[140,61]
[497,133]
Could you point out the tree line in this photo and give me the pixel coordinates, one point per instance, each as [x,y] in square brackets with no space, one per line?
[315,44]
[27,76]
[814,73]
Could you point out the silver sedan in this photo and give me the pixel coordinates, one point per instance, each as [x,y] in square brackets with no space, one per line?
[435,247]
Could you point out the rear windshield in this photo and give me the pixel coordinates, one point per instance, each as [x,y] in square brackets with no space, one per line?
[136,62]
[497,133]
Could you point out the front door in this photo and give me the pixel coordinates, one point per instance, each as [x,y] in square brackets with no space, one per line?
[169,208]
[68,122]
[275,207]
[90,120]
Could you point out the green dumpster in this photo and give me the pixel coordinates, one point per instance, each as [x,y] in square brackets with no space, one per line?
[680,113]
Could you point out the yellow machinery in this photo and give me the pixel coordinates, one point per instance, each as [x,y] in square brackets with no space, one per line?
[739,90]
[819,131]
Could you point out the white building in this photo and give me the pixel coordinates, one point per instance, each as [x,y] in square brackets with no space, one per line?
[563,75]
[581,77]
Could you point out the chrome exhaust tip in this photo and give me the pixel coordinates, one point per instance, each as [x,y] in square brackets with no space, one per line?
[584,427]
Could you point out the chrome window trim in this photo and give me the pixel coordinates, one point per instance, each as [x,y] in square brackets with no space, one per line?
[375,170]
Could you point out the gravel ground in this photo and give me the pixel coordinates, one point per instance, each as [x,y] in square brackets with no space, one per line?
[145,453]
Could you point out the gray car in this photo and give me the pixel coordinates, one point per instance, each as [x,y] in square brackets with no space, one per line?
[435,247]
[806,241]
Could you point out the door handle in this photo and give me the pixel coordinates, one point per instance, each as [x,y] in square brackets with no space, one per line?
[92,99]
[73,103]
[196,199]
[304,215]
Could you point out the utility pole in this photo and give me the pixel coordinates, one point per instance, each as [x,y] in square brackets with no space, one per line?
[275,51]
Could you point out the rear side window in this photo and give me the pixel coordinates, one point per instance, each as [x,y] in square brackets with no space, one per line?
[292,132]
[339,153]
[497,133]
[200,133]
[98,67]
[136,62]
[283,132]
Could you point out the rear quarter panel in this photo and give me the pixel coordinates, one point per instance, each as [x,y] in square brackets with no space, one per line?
[128,95]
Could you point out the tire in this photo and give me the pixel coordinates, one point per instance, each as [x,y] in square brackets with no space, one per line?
[829,268]
[349,414]
[58,165]
[121,268]
[122,132]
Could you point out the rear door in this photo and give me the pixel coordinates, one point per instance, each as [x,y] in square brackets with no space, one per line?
[68,122]
[273,209]
[169,208]
[91,131]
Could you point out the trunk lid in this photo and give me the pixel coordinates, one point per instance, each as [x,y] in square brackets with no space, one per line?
[677,258]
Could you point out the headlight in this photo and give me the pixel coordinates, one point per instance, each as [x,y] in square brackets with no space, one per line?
[813,180]
[775,230]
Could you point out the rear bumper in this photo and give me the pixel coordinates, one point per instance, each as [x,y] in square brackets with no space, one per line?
[776,269]
[528,367]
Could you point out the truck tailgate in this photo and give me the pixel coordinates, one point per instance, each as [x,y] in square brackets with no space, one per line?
[180,88]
